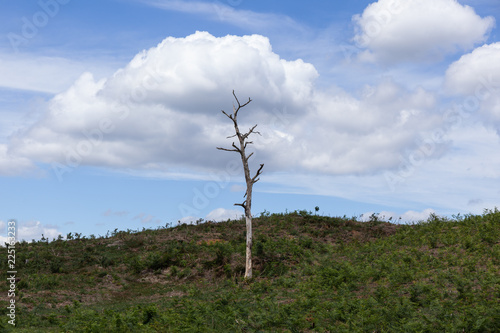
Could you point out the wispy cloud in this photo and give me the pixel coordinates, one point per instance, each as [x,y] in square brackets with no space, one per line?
[45,74]
[146,218]
[219,11]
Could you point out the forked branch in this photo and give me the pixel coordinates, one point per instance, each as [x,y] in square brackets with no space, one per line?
[239,105]
[255,178]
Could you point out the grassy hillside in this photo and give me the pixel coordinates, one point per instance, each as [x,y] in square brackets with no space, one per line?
[312,274]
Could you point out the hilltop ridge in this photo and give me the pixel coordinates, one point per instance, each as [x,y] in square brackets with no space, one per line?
[312,273]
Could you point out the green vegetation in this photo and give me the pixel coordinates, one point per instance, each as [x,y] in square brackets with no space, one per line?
[312,274]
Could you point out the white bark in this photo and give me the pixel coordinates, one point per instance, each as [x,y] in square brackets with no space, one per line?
[248,261]
[247,204]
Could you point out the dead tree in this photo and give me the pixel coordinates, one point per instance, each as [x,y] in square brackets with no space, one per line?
[247,204]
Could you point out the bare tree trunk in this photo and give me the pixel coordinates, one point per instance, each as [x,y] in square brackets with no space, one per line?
[247,204]
[248,261]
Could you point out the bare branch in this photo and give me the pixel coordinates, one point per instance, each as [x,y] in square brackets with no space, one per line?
[257,132]
[236,98]
[225,149]
[250,131]
[237,148]
[255,178]
[249,100]
[244,204]
[228,115]
[239,105]
[235,110]
[249,155]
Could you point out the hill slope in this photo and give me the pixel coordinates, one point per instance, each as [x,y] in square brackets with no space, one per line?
[312,273]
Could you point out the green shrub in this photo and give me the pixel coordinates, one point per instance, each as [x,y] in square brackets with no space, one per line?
[137,264]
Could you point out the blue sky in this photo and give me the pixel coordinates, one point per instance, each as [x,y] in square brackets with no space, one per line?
[110,110]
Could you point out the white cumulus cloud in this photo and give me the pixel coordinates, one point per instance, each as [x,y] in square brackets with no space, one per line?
[476,77]
[161,113]
[406,217]
[163,109]
[30,230]
[474,69]
[12,165]
[343,134]
[3,239]
[418,30]
[222,214]
[216,215]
